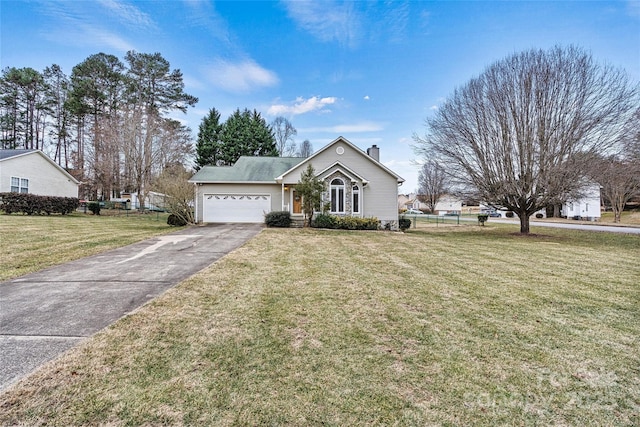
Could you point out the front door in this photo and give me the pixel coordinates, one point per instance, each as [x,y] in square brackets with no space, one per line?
[297,203]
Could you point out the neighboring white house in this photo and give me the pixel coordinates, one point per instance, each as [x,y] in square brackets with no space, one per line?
[357,184]
[586,208]
[446,205]
[32,171]
[153,201]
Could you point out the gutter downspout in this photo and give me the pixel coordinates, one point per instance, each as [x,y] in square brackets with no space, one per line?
[195,205]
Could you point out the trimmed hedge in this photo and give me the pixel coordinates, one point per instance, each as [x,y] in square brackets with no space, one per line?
[278,219]
[345,222]
[31,204]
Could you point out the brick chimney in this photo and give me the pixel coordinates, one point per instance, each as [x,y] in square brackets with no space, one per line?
[374,152]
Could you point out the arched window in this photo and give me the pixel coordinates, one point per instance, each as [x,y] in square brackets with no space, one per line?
[355,194]
[337,196]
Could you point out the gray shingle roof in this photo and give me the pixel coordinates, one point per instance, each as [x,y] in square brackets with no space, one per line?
[7,154]
[248,169]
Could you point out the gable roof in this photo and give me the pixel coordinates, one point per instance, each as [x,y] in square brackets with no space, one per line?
[348,143]
[247,169]
[7,154]
[339,166]
[10,154]
[270,170]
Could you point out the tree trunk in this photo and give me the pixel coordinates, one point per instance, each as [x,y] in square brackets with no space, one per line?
[524,222]
[617,205]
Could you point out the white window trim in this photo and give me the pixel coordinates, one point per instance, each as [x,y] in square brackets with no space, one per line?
[23,184]
[337,188]
[355,189]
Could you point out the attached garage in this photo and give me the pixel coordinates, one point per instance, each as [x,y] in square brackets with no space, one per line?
[236,207]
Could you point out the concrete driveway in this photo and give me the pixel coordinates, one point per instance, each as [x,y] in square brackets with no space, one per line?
[45,313]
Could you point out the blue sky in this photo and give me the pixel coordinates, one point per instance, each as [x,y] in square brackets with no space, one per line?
[369,71]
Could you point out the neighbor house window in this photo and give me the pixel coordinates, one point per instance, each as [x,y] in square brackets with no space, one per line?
[355,192]
[337,196]
[19,185]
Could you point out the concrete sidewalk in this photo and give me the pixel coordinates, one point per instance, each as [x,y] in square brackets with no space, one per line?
[45,313]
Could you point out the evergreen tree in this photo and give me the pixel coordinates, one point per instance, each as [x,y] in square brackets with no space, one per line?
[310,188]
[209,142]
[246,133]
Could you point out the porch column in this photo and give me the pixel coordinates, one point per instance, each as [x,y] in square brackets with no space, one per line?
[282,195]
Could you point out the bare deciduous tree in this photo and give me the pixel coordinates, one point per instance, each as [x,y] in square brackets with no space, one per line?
[619,175]
[432,184]
[284,132]
[178,192]
[619,181]
[519,134]
[305,149]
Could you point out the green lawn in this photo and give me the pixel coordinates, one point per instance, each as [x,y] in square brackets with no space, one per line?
[31,243]
[444,326]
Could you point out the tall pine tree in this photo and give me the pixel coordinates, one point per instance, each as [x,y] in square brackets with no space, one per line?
[208,145]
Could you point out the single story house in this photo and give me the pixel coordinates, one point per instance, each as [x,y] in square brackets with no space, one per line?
[447,204]
[32,171]
[357,184]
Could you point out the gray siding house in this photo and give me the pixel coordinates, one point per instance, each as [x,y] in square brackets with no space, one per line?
[32,171]
[357,185]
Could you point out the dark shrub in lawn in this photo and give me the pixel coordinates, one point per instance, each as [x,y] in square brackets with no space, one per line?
[176,221]
[404,223]
[94,207]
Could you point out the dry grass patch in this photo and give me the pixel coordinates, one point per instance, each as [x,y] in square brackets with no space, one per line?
[306,327]
[31,243]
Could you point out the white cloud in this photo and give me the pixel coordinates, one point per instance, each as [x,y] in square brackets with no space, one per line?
[328,20]
[101,37]
[366,97]
[201,13]
[433,107]
[128,14]
[193,83]
[302,106]
[242,76]
[75,25]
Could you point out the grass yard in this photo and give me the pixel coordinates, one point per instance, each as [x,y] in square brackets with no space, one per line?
[627,218]
[31,243]
[443,326]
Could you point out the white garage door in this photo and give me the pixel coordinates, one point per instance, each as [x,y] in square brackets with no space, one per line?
[235,207]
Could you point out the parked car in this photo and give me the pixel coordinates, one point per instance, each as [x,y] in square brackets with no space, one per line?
[413,212]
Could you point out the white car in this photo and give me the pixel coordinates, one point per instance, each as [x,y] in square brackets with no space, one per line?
[413,212]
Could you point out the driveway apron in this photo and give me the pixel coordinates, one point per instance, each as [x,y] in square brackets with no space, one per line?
[45,313]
